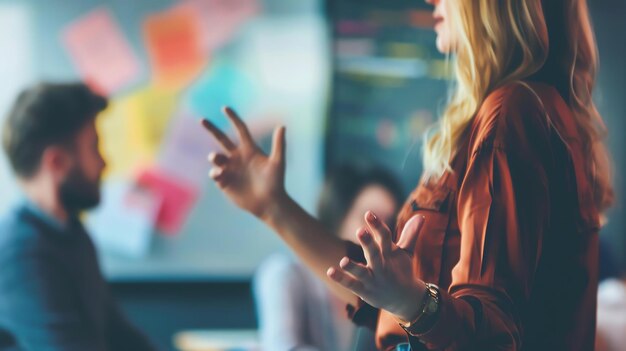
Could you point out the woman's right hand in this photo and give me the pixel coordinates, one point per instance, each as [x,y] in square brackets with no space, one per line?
[251,179]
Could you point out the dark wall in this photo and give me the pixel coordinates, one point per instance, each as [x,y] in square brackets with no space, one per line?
[610,30]
[163,309]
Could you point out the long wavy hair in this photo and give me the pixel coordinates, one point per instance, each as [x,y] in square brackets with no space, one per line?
[498,42]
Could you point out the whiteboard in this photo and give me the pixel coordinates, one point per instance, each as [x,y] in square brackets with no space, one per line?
[284,48]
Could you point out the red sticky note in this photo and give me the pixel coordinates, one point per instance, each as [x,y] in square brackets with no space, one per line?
[100,52]
[173,42]
[178,198]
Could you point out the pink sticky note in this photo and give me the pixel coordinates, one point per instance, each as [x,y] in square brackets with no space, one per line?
[100,52]
[219,20]
[178,198]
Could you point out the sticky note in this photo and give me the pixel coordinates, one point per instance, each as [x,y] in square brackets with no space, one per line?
[100,52]
[172,39]
[178,198]
[220,20]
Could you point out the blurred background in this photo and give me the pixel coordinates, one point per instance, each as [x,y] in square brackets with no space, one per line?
[352,81]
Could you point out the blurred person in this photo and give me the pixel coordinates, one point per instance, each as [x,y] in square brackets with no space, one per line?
[296,310]
[498,244]
[52,293]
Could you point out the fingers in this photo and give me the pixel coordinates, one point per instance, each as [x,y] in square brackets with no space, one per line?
[221,138]
[218,159]
[409,234]
[345,280]
[220,176]
[358,270]
[379,230]
[278,145]
[218,173]
[240,126]
[371,250]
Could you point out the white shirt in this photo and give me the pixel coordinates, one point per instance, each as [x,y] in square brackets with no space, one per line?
[296,311]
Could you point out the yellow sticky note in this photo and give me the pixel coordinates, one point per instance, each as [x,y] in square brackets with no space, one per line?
[115,139]
[132,128]
[150,112]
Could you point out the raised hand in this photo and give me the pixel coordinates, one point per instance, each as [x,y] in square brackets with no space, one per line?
[249,177]
[387,280]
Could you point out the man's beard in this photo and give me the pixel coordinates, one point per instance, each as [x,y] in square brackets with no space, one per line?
[77,193]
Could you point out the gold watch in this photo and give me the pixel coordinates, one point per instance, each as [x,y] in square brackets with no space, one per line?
[428,309]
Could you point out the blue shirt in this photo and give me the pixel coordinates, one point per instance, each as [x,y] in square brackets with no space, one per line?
[53,296]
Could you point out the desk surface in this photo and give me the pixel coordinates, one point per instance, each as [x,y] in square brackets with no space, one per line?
[217,340]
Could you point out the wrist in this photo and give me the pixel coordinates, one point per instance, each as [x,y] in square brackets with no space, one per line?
[413,306]
[275,209]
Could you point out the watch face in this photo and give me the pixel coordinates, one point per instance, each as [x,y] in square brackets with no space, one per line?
[431,306]
[433,300]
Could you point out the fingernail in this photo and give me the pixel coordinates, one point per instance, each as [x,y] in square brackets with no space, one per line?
[365,237]
[371,217]
[344,262]
[330,272]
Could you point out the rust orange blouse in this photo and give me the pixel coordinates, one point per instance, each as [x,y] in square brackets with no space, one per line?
[511,235]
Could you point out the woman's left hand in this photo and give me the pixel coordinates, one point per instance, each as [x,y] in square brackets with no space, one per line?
[387,281]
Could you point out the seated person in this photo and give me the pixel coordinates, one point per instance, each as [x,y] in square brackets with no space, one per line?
[611,325]
[53,296]
[296,310]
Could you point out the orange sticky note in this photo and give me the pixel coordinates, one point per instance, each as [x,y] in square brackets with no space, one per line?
[173,42]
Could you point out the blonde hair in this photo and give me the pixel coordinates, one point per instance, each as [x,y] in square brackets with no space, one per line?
[498,42]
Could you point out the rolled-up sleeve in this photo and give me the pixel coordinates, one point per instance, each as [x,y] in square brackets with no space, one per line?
[502,206]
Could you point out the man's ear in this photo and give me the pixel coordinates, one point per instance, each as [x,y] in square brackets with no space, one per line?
[56,161]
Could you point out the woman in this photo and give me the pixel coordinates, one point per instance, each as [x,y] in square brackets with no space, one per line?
[296,311]
[499,241]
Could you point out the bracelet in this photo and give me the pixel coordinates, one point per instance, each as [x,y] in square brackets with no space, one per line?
[429,307]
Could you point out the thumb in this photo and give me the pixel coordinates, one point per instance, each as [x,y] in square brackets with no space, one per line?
[278,146]
[409,234]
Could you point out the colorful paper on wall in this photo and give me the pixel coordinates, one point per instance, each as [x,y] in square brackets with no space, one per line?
[123,223]
[185,149]
[132,128]
[222,85]
[187,145]
[174,46]
[100,52]
[150,111]
[178,198]
[118,141]
[220,20]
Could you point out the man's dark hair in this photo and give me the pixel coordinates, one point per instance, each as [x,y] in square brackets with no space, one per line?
[44,115]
